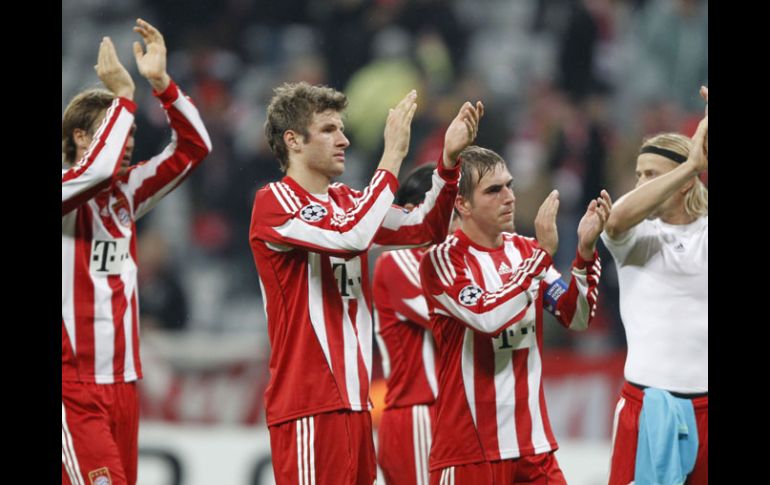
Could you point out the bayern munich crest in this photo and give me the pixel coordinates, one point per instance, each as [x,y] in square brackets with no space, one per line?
[313,212]
[470,295]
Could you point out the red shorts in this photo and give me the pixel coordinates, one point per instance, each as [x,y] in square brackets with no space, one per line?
[403,444]
[541,469]
[333,448]
[100,428]
[626,436]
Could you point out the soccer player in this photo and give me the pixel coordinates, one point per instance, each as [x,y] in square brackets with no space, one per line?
[310,240]
[402,329]
[102,197]
[658,235]
[486,288]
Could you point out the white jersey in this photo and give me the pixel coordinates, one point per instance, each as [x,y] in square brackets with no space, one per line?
[663,277]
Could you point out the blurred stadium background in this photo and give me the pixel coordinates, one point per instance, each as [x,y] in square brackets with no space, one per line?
[570,87]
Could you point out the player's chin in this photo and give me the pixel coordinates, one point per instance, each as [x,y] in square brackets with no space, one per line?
[337,169]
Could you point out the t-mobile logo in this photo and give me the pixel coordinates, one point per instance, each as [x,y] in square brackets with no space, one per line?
[107,257]
[517,336]
[348,276]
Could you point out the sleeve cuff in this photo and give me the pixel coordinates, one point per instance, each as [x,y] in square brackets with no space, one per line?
[547,261]
[127,103]
[168,96]
[450,175]
[390,179]
[581,263]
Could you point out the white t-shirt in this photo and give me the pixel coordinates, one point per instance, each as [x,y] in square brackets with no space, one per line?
[663,278]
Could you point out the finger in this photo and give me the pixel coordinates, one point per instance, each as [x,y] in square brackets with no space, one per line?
[402,113]
[469,127]
[110,54]
[137,51]
[144,35]
[471,111]
[410,97]
[555,208]
[704,92]
[100,55]
[601,205]
[701,131]
[143,29]
[603,214]
[410,114]
[151,30]
[480,108]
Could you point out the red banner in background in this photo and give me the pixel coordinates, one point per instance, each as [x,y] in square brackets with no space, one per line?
[581,392]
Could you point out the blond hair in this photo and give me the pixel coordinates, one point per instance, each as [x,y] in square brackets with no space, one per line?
[696,200]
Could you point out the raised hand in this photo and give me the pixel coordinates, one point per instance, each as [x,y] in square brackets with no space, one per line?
[592,224]
[704,92]
[151,64]
[699,155]
[462,131]
[111,72]
[398,129]
[545,223]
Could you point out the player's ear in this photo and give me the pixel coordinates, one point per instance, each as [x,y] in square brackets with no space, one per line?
[293,140]
[462,206]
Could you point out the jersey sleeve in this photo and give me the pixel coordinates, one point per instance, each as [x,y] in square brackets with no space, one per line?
[632,241]
[397,281]
[99,165]
[574,305]
[428,223]
[278,219]
[150,180]
[449,288]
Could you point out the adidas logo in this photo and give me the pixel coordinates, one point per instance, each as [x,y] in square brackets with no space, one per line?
[504,269]
[679,247]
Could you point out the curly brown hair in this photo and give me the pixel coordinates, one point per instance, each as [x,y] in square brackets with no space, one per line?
[292,108]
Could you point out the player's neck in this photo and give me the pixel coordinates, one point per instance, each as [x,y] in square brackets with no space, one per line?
[678,216]
[485,239]
[313,182]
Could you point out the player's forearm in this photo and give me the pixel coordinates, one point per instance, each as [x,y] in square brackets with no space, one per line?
[575,305]
[391,162]
[103,157]
[192,137]
[637,205]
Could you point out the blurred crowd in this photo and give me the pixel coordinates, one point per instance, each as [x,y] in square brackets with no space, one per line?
[570,89]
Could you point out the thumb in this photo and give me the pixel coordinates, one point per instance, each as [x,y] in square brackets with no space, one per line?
[137,51]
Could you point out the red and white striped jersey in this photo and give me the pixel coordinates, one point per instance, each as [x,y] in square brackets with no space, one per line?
[402,329]
[487,312]
[311,255]
[100,327]
[94,172]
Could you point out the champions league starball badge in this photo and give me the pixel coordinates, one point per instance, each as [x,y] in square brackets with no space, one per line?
[470,295]
[313,212]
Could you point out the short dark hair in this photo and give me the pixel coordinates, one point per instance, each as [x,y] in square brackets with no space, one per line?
[417,183]
[475,163]
[292,108]
[82,112]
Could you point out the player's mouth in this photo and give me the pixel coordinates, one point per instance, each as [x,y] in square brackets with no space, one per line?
[340,156]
